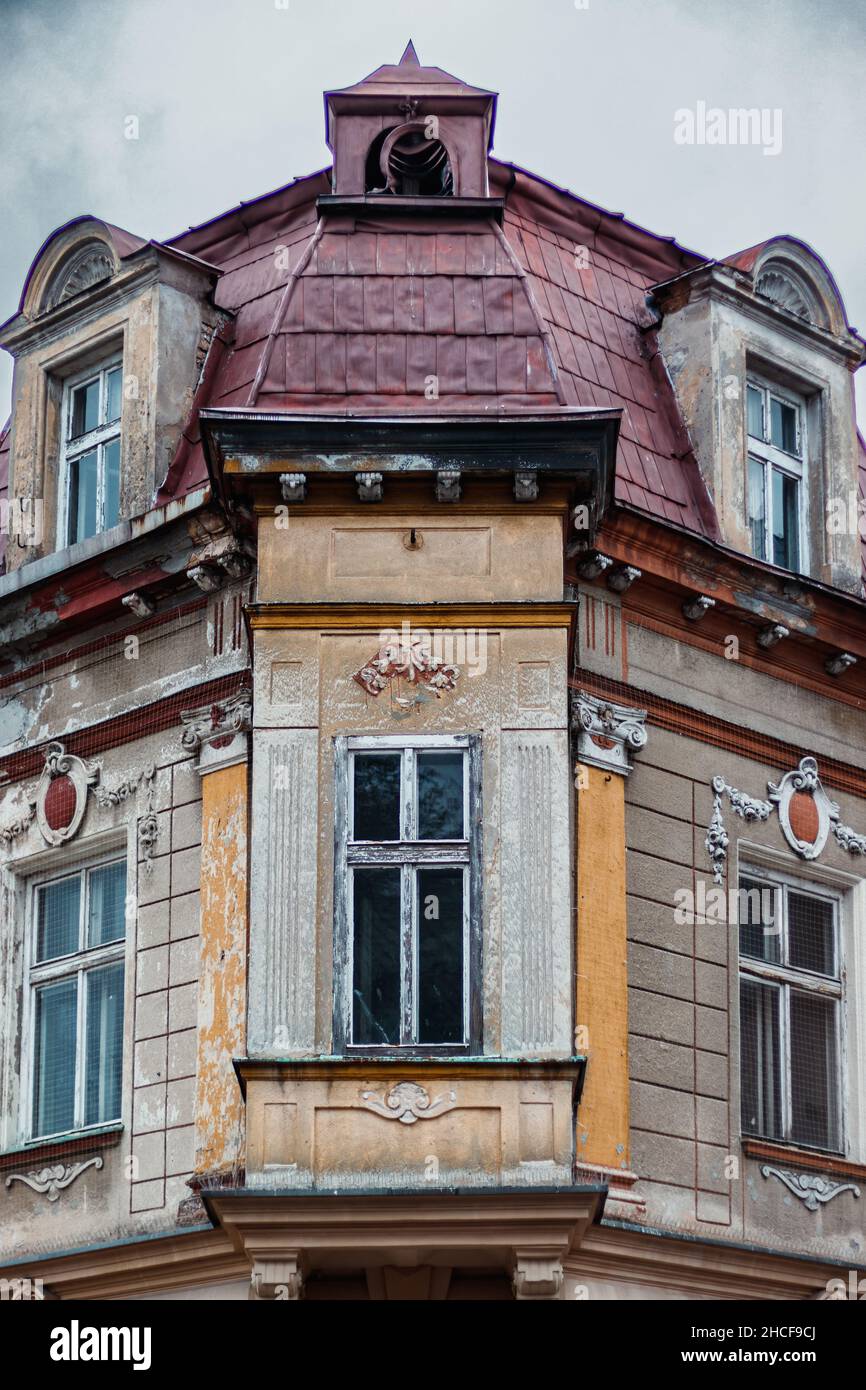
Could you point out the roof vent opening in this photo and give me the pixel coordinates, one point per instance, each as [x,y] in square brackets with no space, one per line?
[410,161]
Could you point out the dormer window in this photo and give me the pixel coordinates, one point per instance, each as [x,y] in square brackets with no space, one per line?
[410,161]
[775,474]
[90,464]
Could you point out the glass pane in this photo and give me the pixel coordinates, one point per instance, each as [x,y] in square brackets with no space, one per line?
[82,498]
[786,521]
[54,1062]
[440,956]
[58,917]
[757,520]
[811,934]
[440,796]
[760,1075]
[376,957]
[760,920]
[377,796]
[104,1044]
[112,395]
[84,415]
[111,501]
[783,426]
[107,902]
[756,413]
[814,1118]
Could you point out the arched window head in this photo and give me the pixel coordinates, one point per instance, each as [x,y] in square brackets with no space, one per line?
[411,161]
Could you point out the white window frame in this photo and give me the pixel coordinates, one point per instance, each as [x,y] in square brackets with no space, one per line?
[410,854]
[786,977]
[73,449]
[76,964]
[772,457]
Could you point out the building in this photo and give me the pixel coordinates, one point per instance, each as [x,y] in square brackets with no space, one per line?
[432,747]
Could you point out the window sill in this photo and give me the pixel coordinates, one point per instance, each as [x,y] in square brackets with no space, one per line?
[43,1151]
[803,1158]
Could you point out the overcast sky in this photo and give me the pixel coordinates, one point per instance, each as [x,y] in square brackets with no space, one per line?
[228,99]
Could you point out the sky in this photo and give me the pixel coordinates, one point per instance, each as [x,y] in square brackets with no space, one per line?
[227,96]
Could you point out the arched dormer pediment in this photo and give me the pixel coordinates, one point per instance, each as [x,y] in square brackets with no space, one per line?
[793,278]
[76,258]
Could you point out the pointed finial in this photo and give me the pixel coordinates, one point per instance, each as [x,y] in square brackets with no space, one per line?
[410,57]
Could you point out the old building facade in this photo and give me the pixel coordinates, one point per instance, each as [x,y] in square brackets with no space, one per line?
[432,760]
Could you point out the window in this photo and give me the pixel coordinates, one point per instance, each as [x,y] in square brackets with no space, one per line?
[91,452]
[407,894]
[76,993]
[790,1013]
[775,476]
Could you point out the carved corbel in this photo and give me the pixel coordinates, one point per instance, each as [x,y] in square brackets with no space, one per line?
[139,604]
[537,1274]
[770,635]
[448,485]
[293,487]
[279,1280]
[622,578]
[698,608]
[594,565]
[206,577]
[526,487]
[370,487]
[840,663]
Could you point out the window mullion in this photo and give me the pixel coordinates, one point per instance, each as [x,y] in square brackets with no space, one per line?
[407,956]
[100,519]
[80,1025]
[408,809]
[785,1056]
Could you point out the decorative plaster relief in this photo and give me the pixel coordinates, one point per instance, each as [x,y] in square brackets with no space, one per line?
[408,1102]
[812,1190]
[61,794]
[148,825]
[409,660]
[18,825]
[807,816]
[50,1181]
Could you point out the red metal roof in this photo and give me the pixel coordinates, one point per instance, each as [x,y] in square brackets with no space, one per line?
[354,312]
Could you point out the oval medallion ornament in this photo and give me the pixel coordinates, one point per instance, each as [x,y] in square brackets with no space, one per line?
[61,796]
[806,812]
